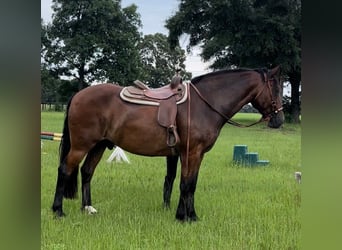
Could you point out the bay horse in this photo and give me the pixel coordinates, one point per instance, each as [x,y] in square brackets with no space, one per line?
[97,118]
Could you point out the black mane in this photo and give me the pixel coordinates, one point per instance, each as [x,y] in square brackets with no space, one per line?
[196,79]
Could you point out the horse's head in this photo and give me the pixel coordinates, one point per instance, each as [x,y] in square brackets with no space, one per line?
[268,100]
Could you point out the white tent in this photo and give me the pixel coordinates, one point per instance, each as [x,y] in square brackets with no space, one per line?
[118,155]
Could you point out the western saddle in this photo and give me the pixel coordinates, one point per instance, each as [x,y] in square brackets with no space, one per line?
[166,97]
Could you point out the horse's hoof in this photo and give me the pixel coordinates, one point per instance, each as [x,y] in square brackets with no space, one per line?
[59,214]
[185,218]
[192,218]
[90,210]
[181,217]
[166,205]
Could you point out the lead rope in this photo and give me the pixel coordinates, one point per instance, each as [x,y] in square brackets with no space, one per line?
[188,132]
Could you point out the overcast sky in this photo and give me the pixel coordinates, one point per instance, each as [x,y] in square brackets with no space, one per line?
[153,15]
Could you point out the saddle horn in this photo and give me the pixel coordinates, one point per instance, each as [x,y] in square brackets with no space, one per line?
[176,79]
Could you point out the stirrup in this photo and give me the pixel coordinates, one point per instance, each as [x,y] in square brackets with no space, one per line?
[172,136]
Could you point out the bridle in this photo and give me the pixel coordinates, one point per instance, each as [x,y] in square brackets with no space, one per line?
[275,110]
[267,117]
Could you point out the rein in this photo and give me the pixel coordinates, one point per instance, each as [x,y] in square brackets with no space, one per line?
[228,120]
[188,131]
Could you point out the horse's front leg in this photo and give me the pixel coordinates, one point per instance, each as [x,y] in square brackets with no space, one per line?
[171,170]
[186,207]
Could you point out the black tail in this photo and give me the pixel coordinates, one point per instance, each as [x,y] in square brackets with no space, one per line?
[70,188]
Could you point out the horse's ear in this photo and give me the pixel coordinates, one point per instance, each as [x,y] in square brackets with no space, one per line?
[275,71]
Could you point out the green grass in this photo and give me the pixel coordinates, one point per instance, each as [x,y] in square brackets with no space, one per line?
[239,207]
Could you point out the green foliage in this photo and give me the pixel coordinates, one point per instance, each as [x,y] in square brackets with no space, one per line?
[55,90]
[49,87]
[248,33]
[92,40]
[238,207]
[241,33]
[98,41]
[159,61]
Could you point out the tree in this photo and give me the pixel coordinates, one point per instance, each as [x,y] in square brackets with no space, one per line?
[49,81]
[244,33]
[49,87]
[92,41]
[159,61]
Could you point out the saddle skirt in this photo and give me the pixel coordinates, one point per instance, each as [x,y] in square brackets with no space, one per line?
[154,97]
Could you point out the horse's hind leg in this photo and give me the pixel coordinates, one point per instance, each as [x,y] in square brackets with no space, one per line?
[57,206]
[66,180]
[87,171]
[171,170]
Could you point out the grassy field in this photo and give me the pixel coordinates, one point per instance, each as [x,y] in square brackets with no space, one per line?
[238,207]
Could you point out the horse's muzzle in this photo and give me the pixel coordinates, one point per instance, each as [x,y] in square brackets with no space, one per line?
[276,120]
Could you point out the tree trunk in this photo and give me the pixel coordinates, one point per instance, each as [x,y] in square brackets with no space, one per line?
[295,79]
[81,82]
